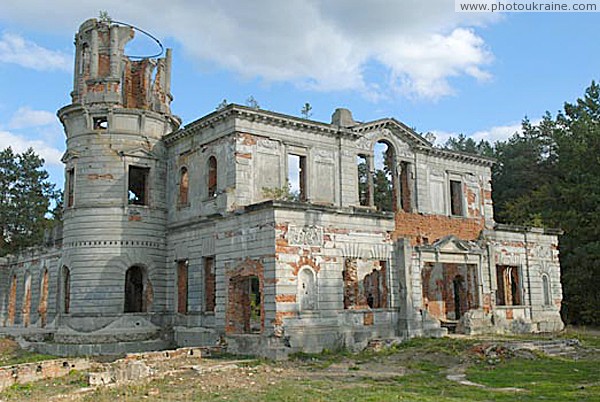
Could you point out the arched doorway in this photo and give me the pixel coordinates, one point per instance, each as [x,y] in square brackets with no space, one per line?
[135,287]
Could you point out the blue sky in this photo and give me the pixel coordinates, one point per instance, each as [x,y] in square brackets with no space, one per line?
[420,62]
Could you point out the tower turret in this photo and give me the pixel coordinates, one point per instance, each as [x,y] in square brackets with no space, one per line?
[115,179]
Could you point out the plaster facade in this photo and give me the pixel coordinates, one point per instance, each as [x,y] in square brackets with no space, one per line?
[180,236]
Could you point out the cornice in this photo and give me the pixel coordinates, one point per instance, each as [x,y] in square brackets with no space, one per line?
[258,115]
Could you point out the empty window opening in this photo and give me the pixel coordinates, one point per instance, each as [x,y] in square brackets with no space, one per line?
[135,289]
[365,284]
[66,290]
[547,291]
[212,176]
[509,286]
[70,187]
[362,165]
[209,284]
[182,287]
[405,188]
[307,289]
[184,184]
[296,177]
[245,300]
[138,185]
[100,123]
[27,302]
[43,305]
[12,301]
[456,198]
[384,185]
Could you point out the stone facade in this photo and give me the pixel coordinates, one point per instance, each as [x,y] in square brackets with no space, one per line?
[178,236]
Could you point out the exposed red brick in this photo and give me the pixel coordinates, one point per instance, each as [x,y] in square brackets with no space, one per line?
[12,301]
[238,312]
[417,227]
[247,139]
[243,155]
[368,318]
[136,218]
[280,315]
[103,65]
[304,260]
[43,305]
[94,176]
[285,298]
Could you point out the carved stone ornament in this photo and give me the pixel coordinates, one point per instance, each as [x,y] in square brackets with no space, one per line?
[269,144]
[305,235]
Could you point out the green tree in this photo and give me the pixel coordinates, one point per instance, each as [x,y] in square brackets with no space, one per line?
[524,168]
[25,200]
[572,202]
[306,110]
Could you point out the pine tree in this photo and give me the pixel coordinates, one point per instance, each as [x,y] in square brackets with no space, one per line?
[26,196]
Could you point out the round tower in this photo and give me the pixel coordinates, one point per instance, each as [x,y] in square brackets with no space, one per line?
[113,263]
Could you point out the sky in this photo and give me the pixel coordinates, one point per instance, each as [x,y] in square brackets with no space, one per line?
[418,61]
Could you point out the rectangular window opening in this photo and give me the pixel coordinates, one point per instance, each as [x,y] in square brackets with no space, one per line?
[209,284]
[70,187]
[363,179]
[405,191]
[296,177]
[456,198]
[100,123]
[182,287]
[509,286]
[138,185]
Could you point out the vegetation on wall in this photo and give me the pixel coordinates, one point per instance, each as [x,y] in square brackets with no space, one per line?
[549,175]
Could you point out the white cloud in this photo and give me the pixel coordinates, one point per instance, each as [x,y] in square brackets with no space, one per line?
[493,134]
[18,50]
[19,144]
[320,44]
[25,117]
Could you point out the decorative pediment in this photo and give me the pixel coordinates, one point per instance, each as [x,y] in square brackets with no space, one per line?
[402,138]
[454,245]
[140,152]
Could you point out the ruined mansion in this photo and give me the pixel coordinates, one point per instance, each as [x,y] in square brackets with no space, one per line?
[187,235]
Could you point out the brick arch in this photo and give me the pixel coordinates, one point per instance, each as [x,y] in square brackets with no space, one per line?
[305,261]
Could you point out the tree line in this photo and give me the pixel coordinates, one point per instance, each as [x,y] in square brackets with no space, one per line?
[549,175]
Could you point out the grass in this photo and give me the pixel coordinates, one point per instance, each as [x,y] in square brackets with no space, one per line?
[11,354]
[415,370]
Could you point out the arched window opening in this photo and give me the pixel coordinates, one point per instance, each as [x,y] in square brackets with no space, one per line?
[184,183]
[212,176]
[547,290]
[137,290]
[384,178]
[66,290]
[307,290]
